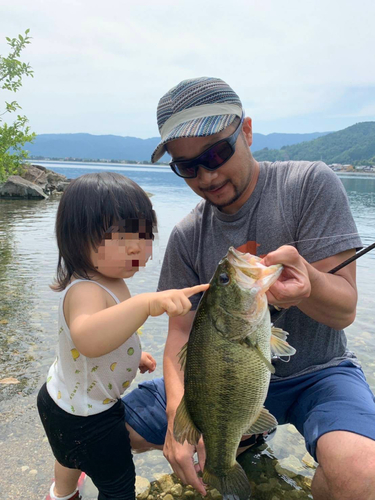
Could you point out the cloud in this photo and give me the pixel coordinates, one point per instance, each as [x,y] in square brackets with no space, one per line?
[101,67]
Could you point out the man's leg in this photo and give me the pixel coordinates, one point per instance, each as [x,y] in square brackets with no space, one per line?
[139,444]
[346,467]
[336,415]
[145,415]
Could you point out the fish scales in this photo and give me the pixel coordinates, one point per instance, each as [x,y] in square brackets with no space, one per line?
[210,387]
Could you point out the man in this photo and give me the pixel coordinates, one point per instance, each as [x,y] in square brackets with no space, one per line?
[293,213]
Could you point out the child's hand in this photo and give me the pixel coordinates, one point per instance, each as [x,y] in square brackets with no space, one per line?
[174,302]
[147,363]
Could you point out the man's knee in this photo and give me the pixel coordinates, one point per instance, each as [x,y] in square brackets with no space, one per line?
[347,461]
[138,443]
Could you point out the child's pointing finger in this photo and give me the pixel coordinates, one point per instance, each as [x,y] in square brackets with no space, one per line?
[195,289]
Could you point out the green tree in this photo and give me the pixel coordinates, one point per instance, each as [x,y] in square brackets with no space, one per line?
[13,137]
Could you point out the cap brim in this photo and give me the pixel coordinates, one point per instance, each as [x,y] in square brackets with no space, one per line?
[200,127]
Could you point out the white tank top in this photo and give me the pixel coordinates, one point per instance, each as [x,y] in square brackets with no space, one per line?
[86,386]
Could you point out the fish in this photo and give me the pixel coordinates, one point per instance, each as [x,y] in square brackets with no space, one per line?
[227,368]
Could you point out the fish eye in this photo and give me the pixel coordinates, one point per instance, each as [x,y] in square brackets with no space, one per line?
[224,279]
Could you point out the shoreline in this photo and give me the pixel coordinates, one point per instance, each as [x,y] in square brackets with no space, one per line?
[95,162]
[122,163]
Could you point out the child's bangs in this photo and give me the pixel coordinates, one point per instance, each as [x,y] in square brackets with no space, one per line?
[141,226]
[126,208]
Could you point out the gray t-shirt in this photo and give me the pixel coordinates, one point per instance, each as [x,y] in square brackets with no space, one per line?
[303,204]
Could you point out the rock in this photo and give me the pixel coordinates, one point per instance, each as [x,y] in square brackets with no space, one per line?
[177,490]
[290,467]
[292,429]
[35,175]
[17,187]
[264,487]
[308,460]
[35,182]
[9,380]
[33,472]
[307,482]
[189,494]
[53,178]
[24,468]
[214,494]
[297,494]
[165,482]
[168,496]
[142,487]
[61,186]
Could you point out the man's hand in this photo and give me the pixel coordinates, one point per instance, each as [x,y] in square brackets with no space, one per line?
[180,456]
[147,363]
[294,283]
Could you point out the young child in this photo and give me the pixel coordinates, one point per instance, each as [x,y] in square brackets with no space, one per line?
[105,226]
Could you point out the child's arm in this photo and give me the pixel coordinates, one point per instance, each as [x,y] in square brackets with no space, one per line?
[97,330]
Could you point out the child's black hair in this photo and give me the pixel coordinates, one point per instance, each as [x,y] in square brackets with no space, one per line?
[92,207]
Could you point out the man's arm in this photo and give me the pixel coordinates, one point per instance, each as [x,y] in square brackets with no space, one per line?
[330,299]
[180,456]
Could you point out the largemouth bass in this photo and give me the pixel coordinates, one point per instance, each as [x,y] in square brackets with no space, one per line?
[227,368]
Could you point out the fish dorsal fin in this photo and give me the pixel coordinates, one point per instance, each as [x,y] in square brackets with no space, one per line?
[183,426]
[265,422]
[250,342]
[182,356]
[279,345]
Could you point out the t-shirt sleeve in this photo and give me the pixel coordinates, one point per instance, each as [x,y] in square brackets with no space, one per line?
[177,269]
[325,226]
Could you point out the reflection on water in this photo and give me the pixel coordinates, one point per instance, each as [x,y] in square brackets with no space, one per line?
[28,307]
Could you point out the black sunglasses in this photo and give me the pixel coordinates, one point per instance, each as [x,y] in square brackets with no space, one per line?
[211,159]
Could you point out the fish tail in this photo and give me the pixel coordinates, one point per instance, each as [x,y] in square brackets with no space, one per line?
[233,486]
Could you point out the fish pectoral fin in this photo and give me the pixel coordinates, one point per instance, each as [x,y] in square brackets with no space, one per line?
[249,342]
[279,346]
[182,357]
[265,422]
[279,333]
[183,426]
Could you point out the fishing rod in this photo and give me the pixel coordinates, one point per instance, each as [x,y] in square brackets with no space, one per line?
[333,271]
[348,261]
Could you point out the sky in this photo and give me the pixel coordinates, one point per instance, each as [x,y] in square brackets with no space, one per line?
[100,67]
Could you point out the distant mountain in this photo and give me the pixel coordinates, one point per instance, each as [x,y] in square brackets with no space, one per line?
[354,145]
[277,141]
[114,147]
[93,147]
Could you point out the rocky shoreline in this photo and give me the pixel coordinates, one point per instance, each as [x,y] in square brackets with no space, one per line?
[36,182]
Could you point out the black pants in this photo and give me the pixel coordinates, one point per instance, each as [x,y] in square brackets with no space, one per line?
[98,445]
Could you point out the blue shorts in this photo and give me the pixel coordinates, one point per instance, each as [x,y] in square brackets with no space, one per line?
[332,399]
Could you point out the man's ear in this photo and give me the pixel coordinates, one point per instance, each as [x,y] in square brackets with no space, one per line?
[247,130]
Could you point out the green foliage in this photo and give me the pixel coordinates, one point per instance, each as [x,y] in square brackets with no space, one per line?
[354,145]
[13,137]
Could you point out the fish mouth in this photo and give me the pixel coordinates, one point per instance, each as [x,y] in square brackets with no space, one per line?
[250,273]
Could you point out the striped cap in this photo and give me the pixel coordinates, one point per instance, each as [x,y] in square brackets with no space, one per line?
[195,108]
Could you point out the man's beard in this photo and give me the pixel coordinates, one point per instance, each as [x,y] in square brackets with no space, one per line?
[237,194]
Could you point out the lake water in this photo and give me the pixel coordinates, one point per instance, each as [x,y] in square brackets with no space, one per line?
[28,307]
